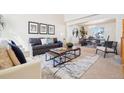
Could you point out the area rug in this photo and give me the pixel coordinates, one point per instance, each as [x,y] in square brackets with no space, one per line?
[71,70]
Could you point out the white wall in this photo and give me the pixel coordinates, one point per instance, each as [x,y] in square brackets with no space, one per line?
[70,37]
[17,26]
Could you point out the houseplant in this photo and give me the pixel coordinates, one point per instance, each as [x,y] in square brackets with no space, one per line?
[83,32]
[69,45]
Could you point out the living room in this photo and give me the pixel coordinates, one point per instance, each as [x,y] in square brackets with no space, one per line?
[28,30]
[61,46]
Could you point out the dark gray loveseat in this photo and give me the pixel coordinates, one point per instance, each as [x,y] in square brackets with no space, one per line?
[39,48]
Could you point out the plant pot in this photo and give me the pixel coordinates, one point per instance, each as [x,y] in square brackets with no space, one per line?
[69,46]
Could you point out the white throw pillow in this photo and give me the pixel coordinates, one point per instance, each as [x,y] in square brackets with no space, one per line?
[4,43]
[44,41]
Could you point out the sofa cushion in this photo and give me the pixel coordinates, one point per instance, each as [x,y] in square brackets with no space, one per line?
[47,46]
[54,45]
[108,44]
[103,48]
[35,41]
[19,54]
[40,47]
[5,61]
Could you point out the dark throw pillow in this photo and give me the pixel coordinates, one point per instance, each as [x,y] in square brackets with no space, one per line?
[19,54]
[13,42]
[60,43]
[55,40]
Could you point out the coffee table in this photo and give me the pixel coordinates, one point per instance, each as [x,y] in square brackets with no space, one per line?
[62,55]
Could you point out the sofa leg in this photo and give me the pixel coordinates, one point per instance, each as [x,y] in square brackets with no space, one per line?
[104,54]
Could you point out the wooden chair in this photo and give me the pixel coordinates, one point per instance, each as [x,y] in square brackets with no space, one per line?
[109,47]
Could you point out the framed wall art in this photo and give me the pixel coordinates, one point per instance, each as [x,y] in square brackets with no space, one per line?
[33,27]
[51,29]
[43,28]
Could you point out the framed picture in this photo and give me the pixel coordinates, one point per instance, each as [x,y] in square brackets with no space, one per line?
[33,27]
[51,29]
[43,28]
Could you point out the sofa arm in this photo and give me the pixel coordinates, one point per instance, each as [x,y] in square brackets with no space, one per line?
[30,49]
[30,70]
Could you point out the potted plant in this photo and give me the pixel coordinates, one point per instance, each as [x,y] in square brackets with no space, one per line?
[83,32]
[69,45]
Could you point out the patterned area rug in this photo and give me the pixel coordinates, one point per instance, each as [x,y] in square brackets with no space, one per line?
[71,70]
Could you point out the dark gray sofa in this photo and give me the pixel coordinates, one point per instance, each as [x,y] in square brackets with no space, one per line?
[39,48]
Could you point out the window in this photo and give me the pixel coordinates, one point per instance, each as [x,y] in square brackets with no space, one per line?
[98,32]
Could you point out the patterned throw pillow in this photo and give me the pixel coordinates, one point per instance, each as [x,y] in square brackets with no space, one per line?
[50,41]
[5,61]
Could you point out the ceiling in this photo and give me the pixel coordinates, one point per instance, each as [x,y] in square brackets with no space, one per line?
[99,21]
[70,17]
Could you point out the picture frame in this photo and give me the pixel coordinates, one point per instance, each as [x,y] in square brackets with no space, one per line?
[33,27]
[43,28]
[51,29]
